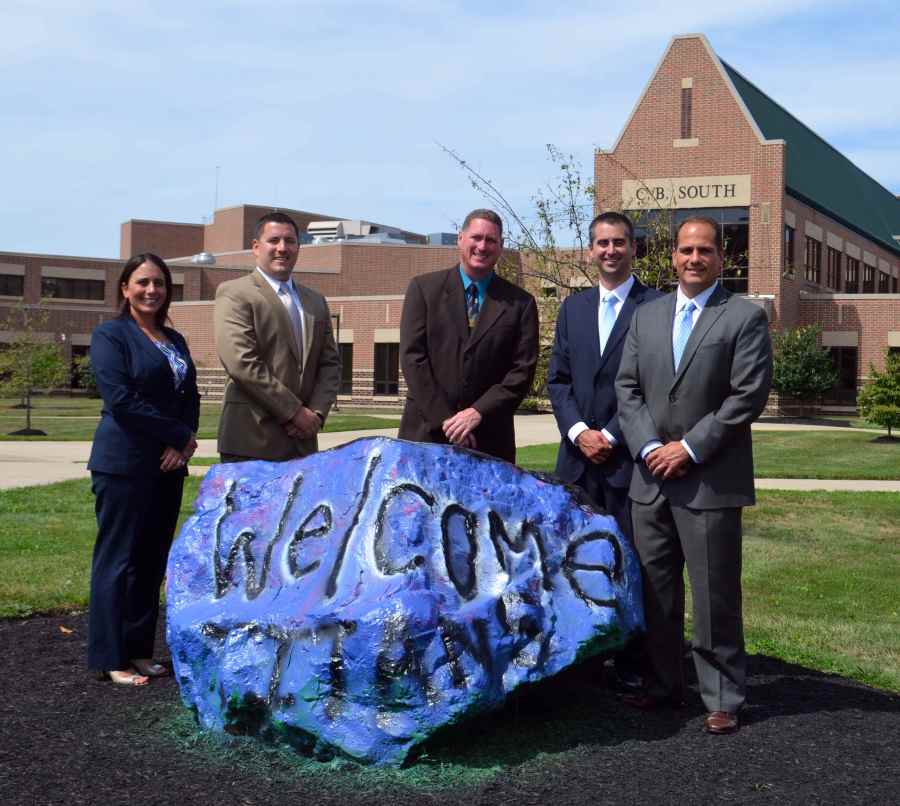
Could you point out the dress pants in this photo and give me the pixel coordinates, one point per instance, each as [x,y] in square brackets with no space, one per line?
[629,661]
[708,541]
[136,518]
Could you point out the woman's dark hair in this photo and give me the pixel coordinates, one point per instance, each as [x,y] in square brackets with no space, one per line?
[129,268]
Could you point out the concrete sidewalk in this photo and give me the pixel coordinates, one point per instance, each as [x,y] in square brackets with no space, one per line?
[26,463]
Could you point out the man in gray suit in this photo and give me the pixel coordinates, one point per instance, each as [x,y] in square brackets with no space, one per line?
[695,372]
[274,338]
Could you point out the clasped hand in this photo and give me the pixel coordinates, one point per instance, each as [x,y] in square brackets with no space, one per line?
[460,427]
[303,425]
[671,461]
[594,446]
[172,458]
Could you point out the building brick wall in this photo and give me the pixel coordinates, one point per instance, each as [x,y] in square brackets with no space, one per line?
[164,238]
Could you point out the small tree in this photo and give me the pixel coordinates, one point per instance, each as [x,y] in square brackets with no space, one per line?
[879,401]
[84,373]
[801,368]
[30,362]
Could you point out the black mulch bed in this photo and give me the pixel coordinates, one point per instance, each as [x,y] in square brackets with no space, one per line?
[807,738]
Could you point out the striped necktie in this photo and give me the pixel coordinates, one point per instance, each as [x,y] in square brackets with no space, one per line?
[287,300]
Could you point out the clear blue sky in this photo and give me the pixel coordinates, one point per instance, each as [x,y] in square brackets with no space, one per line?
[114,110]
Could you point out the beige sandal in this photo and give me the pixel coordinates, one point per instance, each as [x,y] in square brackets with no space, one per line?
[125,677]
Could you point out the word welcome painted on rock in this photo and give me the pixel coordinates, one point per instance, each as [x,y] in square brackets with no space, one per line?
[459,543]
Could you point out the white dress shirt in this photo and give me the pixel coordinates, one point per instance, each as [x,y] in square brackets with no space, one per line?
[288,286]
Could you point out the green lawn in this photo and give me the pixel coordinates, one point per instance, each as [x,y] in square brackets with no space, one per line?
[790,455]
[75,418]
[820,571]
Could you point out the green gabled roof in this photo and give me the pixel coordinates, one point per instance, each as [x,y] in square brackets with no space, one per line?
[819,175]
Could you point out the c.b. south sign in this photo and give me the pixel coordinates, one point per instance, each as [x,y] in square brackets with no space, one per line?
[686,192]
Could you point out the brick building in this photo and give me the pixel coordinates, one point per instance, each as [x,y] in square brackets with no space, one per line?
[812,238]
[361,267]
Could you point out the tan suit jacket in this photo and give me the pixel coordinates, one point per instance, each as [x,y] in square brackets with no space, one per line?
[266,386]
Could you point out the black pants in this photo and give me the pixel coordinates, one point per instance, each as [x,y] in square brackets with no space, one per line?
[136,518]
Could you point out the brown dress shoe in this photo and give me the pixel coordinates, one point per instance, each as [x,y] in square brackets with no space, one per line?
[721,722]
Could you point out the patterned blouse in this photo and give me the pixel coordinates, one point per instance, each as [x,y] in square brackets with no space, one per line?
[176,362]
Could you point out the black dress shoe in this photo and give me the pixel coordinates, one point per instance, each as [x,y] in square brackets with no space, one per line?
[628,681]
[648,702]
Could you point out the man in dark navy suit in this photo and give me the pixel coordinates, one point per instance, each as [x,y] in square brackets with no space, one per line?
[590,333]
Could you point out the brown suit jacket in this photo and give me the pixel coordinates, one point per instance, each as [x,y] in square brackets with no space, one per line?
[448,369]
[256,346]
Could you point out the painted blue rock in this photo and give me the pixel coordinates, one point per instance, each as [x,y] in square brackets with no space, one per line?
[359,599]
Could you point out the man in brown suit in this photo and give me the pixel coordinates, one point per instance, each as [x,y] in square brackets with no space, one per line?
[468,347]
[274,338]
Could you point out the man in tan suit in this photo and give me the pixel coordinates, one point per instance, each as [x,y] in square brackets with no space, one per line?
[274,338]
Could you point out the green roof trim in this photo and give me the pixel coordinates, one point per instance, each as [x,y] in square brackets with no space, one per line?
[818,174]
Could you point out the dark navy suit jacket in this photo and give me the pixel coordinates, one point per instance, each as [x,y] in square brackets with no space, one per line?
[142,412]
[582,381]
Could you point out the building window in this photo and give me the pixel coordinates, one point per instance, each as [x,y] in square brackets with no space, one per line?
[177,293]
[812,262]
[893,285]
[346,351]
[11,285]
[852,285]
[686,105]
[788,256]
[833,269]
[387,369]
[652,226]
[884,283]
[70,288]
[843,393]
[868,279]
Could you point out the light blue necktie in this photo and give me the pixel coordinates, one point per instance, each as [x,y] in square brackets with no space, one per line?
[684,332]
[607,319]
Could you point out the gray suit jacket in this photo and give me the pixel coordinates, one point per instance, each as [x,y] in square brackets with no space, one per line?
[266,387]
[721,386]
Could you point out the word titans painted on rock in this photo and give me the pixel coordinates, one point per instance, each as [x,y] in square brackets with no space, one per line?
[358,599]
[689,191]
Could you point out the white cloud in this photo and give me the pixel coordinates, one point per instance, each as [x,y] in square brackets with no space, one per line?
[116,110]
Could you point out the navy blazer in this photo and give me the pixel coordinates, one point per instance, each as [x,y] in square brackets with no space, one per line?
[142,411]
[582,381]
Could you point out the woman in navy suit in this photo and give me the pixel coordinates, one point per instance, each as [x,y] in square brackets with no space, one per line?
[146,435]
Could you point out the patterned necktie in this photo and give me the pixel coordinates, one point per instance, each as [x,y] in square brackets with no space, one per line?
[685,326]
[472,306]
[287,300]
[607,319]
